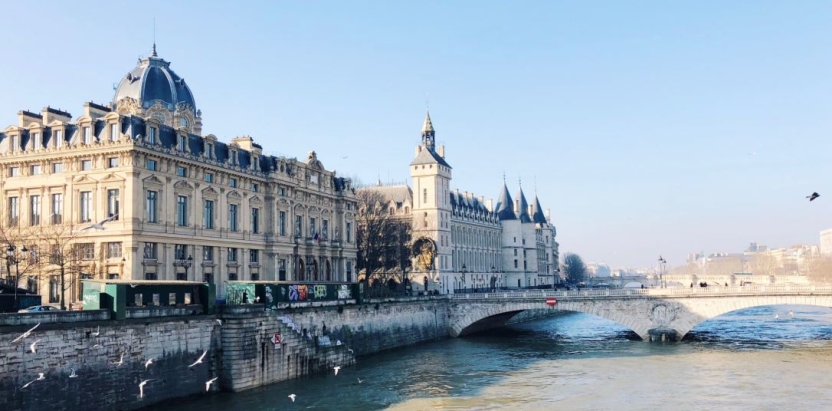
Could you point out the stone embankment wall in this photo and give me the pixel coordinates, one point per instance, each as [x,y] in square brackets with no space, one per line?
[100,383]
[250,358]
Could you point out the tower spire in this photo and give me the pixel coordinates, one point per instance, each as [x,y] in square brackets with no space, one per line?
[428,133]
[153,53]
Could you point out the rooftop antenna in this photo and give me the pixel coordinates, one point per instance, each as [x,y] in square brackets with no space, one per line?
[504,177]
[154,38]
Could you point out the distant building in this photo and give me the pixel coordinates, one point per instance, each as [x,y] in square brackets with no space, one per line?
[826,242]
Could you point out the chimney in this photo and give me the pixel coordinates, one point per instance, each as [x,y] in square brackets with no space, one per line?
[548,216]
[418,150]
[95,110]
[51,115]
[489,204]
[245,142]
[441,151]
[24,118]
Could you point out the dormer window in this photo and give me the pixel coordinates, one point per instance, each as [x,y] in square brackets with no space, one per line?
[151,135]
[87,135]
[233,157]
[114,132]
[58,136]
[180,144]
[255,163]
[36,141]
[209,150]
[15,143]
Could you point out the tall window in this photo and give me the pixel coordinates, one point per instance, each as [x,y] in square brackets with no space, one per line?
[209,150]
[349,271]
[255,187]
[54,289]
[150,251]
[207,253]
[255,220]
[112,162]
[85,251]
[57,208]
[87,135]
[36,140]
[313,229]
[209,178]
[151,164]
[325,229]
[152,197]
[114,250]
[14,171]
[181,171]
[180,145]
[151,136]
[424,196]
[182,210]
[254,256]
[232,182]
[34,210]
[180,252]
[86,207]
[281,222]
[34,169]
[232,217]
[298,226]
[349,232]
[112,204]
[114,132]
[281,270]
[59,138]
[232,255]
[57,167]
[86,165]
[209,214]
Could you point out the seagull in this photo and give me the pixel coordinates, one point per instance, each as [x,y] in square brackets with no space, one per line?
[813,196]
[96,346]
[40,377]
[791,313]
[133,285]
[199,361]
[360,380]
[776,316]
[120,360]
[336,368]
[141,388]
[350,350]
[292,396]
[100,225]
[97,331]
[208,384]
[26,334]
[147,364]
[219,322]
[753,153]
[32,347]
[72,374]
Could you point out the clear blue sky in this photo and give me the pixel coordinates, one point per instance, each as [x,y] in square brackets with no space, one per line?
[637,119]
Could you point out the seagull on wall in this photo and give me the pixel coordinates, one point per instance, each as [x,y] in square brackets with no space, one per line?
[97,331]
[147,363]
[40,377]
[73,374]
[100,225]
[34,346]
[120,361]
[813,196]
[141,388]
[199,361]
[219,322]
[336,368]
[208,384]
[26,334]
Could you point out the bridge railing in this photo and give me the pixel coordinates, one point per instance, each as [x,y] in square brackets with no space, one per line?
[677,291]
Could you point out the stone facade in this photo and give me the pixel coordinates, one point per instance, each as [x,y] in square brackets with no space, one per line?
[181,205]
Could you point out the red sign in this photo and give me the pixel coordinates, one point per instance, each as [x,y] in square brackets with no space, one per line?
[551,301]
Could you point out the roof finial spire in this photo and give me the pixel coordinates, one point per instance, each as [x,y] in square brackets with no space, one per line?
[504,178]
[520,182]
[154,39]
[427,102]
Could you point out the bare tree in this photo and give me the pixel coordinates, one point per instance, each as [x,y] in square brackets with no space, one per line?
[65,254]
[819,269]
[384,251]
[21,260]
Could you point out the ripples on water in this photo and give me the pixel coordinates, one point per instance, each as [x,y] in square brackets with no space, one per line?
[747,360]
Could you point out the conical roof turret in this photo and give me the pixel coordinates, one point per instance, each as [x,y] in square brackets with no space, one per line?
[523,207]
[538,216]
[505,205]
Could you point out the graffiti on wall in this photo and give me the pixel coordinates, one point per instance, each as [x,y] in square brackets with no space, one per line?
[239,293]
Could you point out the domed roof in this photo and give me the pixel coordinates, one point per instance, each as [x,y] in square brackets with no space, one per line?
[152,80]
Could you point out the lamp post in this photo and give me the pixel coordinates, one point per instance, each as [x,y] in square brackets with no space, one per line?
[493,278]
[13,258]
[662,263]
[187,263]
[464,270]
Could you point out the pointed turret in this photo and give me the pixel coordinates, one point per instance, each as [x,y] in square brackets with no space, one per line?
[428,133]
[505,205]
[538,216]
[523,207]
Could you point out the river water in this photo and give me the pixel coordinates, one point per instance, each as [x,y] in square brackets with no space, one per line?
[756,359]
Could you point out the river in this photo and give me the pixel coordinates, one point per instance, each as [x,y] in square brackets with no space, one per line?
[761,358]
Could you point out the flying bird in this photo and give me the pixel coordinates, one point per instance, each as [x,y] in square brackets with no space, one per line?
[100,225]
[147,363]
[360,380]
[813,196]
[33,346]
[219,322]
[97,331]
[26,334]
[292,396]
[72,374]
[40,377]
[141,388]
[199,361]
[96,346]
[791,313]
[208,384]
[350,350]
[336,368]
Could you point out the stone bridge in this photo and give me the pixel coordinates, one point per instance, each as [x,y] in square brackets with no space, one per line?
[651,313]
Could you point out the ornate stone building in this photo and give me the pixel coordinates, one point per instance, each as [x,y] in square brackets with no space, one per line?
[183,205]
[463,241]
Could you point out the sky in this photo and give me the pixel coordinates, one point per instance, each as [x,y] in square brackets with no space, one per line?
[647,127]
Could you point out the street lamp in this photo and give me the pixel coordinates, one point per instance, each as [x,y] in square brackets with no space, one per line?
[493,278]
[187,263]
[14,258]
[662,263]
[464,270]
